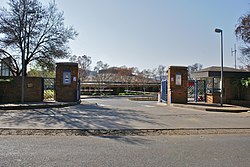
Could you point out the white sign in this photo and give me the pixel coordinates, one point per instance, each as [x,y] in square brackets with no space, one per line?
[178,79]
[66,78]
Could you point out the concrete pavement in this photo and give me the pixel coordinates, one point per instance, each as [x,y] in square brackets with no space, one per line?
[36,105]
[120,116]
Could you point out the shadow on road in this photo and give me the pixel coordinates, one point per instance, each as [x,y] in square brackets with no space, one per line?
[83,116]
[128,140]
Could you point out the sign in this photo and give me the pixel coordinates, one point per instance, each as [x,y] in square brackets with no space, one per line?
[66,78]
[178,79]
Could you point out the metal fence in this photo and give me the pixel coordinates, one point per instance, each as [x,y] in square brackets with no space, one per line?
[196,90]
[49,89]
[191,90]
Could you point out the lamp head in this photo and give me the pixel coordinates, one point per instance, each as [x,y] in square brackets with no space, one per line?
[218,30]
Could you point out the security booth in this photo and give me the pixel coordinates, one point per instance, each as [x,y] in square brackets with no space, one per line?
[231,84]
[67,82]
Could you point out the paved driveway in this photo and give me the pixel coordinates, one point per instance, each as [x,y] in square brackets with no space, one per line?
[120,113]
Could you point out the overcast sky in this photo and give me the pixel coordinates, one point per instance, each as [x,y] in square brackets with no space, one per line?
[148,33]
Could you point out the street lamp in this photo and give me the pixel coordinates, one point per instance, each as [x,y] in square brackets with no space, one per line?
[24,49]
[221,61]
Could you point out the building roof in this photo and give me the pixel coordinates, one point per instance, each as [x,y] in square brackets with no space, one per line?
[218,68]
[215,71]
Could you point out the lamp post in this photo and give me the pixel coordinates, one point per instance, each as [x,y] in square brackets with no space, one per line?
[24,50]
[221,61]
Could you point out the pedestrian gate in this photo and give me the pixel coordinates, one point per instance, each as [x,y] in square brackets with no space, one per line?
[196,91]
[48,89]
[164,95]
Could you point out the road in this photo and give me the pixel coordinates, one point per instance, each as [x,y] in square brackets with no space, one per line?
[160,151]
[120,113]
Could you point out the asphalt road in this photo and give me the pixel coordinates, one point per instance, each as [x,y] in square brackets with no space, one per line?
[120,113]
[161,151]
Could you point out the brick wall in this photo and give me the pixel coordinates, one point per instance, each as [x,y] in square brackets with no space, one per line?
[10,89]
[230,91]
[177,92]
[66,93]
[246,93]
[233,92]
[213,98]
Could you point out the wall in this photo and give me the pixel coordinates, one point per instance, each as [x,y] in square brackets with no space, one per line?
[231,91]
[246,93]
[66,92]
[177,92]
[10,91]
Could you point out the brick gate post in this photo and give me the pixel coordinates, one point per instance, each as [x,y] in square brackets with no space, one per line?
[177,84]
[66,82]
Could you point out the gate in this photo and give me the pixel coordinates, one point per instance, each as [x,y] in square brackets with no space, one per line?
[164,91]
[196,91]
[48,89]
[191,91]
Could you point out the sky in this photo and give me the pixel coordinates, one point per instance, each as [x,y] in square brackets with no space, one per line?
[149,33]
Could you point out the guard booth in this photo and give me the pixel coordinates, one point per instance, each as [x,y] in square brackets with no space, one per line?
[232,89]
[67,82]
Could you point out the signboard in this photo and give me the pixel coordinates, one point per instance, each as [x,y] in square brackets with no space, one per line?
[66,78]
[178,79]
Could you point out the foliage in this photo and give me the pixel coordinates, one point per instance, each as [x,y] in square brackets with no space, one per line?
[41,73]
[33,31]
[245,82]
[37,71]
[242,32]
[6,80]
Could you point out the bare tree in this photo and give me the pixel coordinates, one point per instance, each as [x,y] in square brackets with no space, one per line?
[145,77]
[125,75]
[193,68]
[162,72]
[34,32]
[84,63]
[242,32]
[101,66]
[103,76]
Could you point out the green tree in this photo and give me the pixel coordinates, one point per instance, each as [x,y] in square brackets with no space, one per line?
[38,71]
[36,32]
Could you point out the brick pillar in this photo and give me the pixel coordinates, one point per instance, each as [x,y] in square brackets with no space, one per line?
[66,82]
[177,84]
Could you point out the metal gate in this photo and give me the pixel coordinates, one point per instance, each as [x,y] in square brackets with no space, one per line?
[191,90]
[164,95]
[49,89]
[196,91]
